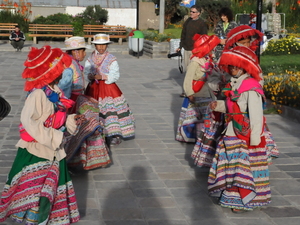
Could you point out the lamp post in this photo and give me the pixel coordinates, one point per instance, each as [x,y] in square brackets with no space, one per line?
[258,22]
[161,16]
[137,13]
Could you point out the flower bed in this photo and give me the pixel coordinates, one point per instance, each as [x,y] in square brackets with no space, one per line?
[283,89]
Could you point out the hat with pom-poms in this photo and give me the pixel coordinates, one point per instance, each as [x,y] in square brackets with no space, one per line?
[243,32]
[241,57]
[43,66]
[204,44]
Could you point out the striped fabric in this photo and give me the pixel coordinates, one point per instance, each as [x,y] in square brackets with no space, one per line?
[240,175]
[38,191]
[191,119]
[205,147]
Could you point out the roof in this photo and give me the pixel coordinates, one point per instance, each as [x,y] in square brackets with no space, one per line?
[84,3]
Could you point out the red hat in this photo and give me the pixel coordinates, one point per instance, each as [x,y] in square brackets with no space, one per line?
[204,44]
[43,66]
[241,57]
[242,32]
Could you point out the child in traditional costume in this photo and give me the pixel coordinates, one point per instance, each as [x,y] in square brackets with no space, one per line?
[88,148]
[39,189]
[198,92]
[239,174]
[102,69]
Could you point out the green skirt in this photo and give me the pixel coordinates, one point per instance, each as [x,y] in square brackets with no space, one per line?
[38,191]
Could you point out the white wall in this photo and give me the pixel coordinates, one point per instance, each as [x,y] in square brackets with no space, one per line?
[126,17]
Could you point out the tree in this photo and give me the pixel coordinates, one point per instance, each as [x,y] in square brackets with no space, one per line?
[94,15]
[211,9]
[171,7]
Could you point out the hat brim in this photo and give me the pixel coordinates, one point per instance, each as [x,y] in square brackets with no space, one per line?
[101,42]
[68,49]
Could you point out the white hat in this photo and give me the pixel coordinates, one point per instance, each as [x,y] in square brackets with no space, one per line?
[101,39]
[75,43]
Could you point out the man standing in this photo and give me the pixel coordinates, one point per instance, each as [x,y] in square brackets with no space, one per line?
[17,39]
[193,25]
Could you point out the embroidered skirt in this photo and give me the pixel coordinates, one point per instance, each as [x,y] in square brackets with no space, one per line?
[239,175]
[191,119]
[271,146]
[115,113]
[87,146]
[205,147]
[38,191]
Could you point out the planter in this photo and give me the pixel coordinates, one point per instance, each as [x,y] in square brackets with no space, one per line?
[286,111]
[156,49]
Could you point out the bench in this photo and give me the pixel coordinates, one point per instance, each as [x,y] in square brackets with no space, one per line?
[116,31]
[50,30]
[6,29]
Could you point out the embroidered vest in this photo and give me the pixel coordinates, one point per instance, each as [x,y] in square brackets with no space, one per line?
[102,64]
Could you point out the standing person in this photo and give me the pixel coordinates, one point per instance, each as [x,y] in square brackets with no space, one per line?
[222,28]
[17,39]
[88,148]
[102,69]
[39,189]
[239,173]
[193,25]
[195,86]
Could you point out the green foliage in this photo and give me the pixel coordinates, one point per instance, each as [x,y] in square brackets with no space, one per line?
[291,8]
[153,35]
[94,15]
[283,46]
[58,18]
[8,17]
[211,9]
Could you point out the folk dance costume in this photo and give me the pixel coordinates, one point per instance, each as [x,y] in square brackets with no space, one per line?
[88,147]
[39,189]
[199,94]
[239,173]
[115,113]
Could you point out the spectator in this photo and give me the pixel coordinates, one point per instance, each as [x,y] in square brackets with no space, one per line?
[223,27]
[193,25]
[17,39]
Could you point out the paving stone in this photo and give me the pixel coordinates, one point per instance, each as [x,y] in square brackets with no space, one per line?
[286,221]
[155,202]
[282,212]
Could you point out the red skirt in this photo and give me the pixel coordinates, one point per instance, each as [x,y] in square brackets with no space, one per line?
[102,90]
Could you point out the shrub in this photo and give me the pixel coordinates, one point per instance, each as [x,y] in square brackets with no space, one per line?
[58,18]
[94,15]
[283,46]
[153,35]
[8,17]
[283,89]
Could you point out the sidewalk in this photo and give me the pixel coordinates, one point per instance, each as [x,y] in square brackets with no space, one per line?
[152,180]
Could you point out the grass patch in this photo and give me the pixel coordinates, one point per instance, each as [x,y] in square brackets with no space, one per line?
[176,33]
[279,64]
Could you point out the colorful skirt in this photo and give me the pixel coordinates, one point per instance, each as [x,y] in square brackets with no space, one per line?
[38,191]
[115,113]
[87,146]
[205,147]
[191,119]
[271,146]
[240,175]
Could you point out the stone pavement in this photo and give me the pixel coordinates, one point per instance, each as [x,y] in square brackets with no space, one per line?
[152,180]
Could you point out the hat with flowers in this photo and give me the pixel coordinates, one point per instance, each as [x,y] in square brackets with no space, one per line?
[43,66]
[243,32]
[241,57]
[204,44]
[74,43]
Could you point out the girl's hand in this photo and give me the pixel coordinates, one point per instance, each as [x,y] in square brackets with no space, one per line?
[79,119]
[191,98]
[213,105]
[104,77]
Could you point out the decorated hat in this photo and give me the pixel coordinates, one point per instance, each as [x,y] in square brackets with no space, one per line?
[101,39]
[74,43]
[43,66]
[204,44]
[241,57]
[243,32]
